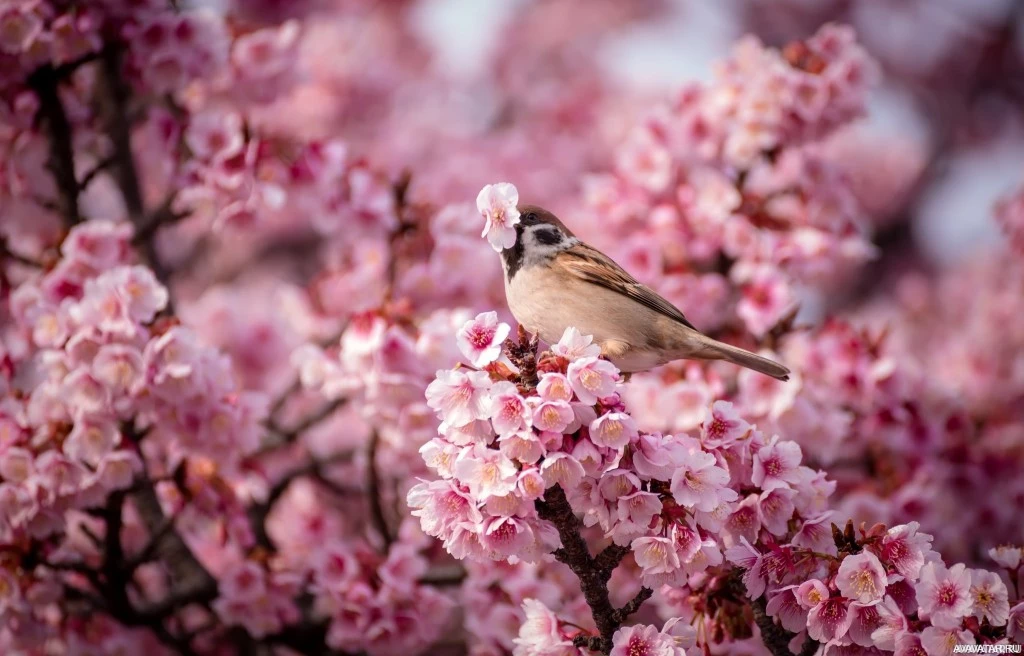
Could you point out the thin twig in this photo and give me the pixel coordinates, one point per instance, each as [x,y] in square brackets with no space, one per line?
[288,436]
[258,512]
[380,522]
[98,168]
[7,254]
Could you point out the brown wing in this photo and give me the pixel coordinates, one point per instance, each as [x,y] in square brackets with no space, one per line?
[597,268]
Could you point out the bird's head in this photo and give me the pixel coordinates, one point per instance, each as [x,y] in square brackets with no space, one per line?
[539,235]
[540,230]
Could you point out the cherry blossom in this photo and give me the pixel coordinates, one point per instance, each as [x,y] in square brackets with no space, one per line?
[259,390]
[480,339]
[944,594]
[497,203]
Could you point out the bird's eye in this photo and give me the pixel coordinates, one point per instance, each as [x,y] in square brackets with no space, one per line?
[530,217]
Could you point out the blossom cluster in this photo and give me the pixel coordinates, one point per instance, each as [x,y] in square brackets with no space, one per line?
[734,170]
[239,257]
[887,590]
[673,500]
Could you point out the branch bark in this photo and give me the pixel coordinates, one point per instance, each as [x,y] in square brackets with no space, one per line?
[61,162]
[592,572]
[380,521]
[774,637]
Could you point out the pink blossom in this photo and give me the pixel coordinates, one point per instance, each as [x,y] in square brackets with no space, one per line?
[829,620]
[909,644]
[573,346]
[552,416]
[117,470]
[810,594]
[101,245]
[561,469]
[440,455]
[1006,556]
[486,472]
[554,387]
[724,426]
[783,606]
[904,548]
[539,634]
[91,439]
[16,464]
[891,624]
[509,412]
[497,204]
[642,640]
[699,483]
[989,597]
[592,378]
[119,367]
[1015,623]
[656,456]
[766,299]
[656,556]
[613,430]
[440,505]
[861,578]
[506,537]
[459,397]
[523,446]
[480,339]
[941,641]
[775,464]
[215,135]
[944,595]
[775,509]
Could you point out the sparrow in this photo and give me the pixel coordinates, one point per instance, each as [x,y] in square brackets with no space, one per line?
[554,281]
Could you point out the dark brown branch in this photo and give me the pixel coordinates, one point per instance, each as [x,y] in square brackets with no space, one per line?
[7,254]
[446,576]
[258,512]
[380,521]
[118,126]
[633,605]
[776,638]
[593,573]
[61,162]
[162,216]
[149,549]
[98,168]
[116,97]
[193,584]
[67,68]
[288,436]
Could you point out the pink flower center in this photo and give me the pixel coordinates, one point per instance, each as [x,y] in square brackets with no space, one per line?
[717,428]
[864,582]
[638,647]
[481,337]
[895,551]
[947,594]
[590,379]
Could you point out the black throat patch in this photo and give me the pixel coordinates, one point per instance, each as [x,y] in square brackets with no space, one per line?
[514,256]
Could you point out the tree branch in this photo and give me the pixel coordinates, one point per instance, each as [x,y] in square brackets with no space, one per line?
[593,573]
[118,126]
[258,512]
[380,522]
[61,162]
[776,638]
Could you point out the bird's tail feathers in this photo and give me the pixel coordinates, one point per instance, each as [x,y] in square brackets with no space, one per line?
[715,350]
